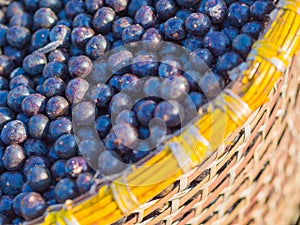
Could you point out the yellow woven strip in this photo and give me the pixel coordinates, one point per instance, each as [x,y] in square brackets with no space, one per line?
[162,170]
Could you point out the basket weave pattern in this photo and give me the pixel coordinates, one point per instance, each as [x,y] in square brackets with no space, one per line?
[253,174]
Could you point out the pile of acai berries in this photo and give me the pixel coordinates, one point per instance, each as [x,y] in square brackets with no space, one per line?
[49,49]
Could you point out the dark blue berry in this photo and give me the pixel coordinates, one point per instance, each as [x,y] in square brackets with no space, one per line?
[74,7]
[130,83]
[174,29]
[17,95]
[211,84]
[76,90]
[75,51]
[145,111]
[169,67]
[32,206]
[35,147]
[217,42]
[132,33]
[55,69]
[26,187]
[16,204]
[39,178]
[165,9]
[6,206]
[52,156]
[21,20]
[58,55]
[14,131]
[3,98]
[103,125]
[34,104]
[90,150]
[231,32]
[61,33]
[102,94]
[253,29]
[52,4]
[38,126]
[17,221]
[125,137]
[6,115]
[83,113]
[151,39]
[2,168]
[120,24]
[84,182]
[34,161]
[119,102]
[126,116]
[53,86]
[31,5]
[183,13]
[103,20]
[49,196]
[15,54]
[14,8]
[198,24]
[93,5]
[6,65]
[238,14]
[11,183]
[117,5]
[135,5]
[16,72]
[260,9]
[242,44]
[228,61]
[144,66]
[201,59]
[144,132]
[65,189]
[216,10]
[193,42]
[119,63]
[96,46]
[188,3]
[23,117]
[44,18]
[19,81]
[3,31]
[174,87]
[57,106]
[34,64]
[81,35]
[192,77]
[146,17]
[76,165]
[13,157]
[151,86]
[59,127]
[197,99]
[80,66]
[65,146]
[3,83]
[170,112]
[58,169]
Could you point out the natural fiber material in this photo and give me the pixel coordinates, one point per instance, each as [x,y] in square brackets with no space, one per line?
[246,147]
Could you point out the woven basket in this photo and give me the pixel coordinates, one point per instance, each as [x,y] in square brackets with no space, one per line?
[246,167]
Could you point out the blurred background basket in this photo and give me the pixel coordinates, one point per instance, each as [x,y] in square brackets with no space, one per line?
[246,166]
